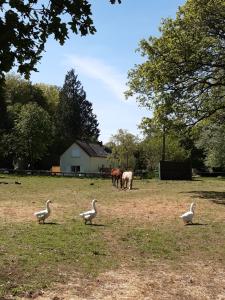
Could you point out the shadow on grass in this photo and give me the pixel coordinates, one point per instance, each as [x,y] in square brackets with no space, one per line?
[98,253]
[196,179]
[196,224]
[50,223]
[216,197]
[101,225]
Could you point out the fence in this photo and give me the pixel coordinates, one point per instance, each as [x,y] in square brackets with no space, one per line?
[50,173]
[139,173]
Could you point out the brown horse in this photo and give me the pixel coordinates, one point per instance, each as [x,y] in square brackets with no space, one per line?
[116,177]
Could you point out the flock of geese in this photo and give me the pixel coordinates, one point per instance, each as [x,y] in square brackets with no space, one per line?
[89,215]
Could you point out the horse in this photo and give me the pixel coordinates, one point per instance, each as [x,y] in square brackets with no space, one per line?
[116,175]
[127,178]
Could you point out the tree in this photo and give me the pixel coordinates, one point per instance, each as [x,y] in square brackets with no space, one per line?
[32,134]
[18,90]
[75,117]
[4,121]
[26,25]
[211,141]
[51,94]
[153,150]
[14,93]
[89,123]
[186,63]
[124,147]
[3,110]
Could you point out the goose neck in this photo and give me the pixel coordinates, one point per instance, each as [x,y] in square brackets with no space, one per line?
[48,207]
[94,206]
[192,208]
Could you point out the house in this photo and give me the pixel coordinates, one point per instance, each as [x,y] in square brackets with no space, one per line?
[84,157]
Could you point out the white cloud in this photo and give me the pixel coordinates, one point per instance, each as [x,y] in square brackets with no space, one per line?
[106,91]
[99,70]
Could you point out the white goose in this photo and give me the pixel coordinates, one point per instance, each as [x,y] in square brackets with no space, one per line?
[91,214]
[43,214]
[188,216]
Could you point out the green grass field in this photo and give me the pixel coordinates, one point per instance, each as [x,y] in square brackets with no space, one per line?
[135,229]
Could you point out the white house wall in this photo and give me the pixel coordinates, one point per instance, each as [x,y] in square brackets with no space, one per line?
[66,160]
[98,162]
[87,164]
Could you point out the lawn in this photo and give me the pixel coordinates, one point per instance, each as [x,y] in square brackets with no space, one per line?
[138,247]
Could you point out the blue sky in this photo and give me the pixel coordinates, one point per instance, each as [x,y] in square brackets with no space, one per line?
[103,60]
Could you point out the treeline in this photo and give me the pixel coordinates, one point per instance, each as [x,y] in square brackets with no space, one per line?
[203,146]
[39,121]
[129,151]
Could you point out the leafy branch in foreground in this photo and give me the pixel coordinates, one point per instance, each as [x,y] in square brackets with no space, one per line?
[26,25]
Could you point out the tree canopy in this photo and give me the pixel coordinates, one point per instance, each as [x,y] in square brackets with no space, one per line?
[51,94]
[18,90]
[39,137]
[151,149]
[185,64]
[29,139]
[26,25]
[211,137]
[124,146]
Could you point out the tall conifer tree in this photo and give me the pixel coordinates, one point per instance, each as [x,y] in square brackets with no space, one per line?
[75,117]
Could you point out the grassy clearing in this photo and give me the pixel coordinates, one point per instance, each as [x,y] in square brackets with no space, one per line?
[135,228]
[32,256]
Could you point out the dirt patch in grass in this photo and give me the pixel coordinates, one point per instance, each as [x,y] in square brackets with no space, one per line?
[19,212]
[196,281]
[16,213]
[149,209]
[143,209]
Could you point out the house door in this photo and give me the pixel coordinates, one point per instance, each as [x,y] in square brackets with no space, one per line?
[75,169]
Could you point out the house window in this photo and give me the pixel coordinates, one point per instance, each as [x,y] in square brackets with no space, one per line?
[75,169]
[75,153]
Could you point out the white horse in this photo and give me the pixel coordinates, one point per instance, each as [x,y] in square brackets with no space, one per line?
[127,178]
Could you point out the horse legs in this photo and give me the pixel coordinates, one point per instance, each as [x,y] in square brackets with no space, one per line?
[116,181]
[130,184]
[124,183]
[113,180]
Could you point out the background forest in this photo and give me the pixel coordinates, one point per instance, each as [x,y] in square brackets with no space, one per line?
[39,122]
[181,81]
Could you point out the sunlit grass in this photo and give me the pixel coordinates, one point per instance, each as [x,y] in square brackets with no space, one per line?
[134,227]
[35,255]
